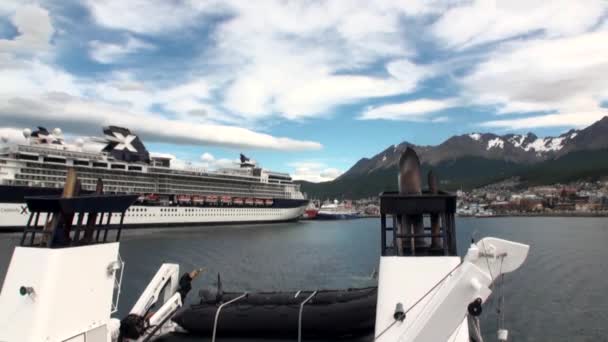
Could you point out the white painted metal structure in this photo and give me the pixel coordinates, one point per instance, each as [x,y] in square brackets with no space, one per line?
[67,295]
[435,291]
[68,298]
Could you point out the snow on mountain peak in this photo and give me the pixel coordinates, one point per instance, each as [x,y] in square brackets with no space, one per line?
[546,144]
[496,142]
[475,136]
[517,140]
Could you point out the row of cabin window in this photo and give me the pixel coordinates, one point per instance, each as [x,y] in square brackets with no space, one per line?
[206,213]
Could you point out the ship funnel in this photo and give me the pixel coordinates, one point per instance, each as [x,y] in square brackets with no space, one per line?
[124,145]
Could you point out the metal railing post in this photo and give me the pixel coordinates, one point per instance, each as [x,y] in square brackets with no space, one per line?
[300,315]
[217,313]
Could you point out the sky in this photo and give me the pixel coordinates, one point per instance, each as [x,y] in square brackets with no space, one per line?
[305,87]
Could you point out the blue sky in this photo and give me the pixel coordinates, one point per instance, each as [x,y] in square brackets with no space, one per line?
[306,87]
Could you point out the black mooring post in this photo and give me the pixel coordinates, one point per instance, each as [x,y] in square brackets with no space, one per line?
[76,238]
[27,228]
[444,231]
[122,217]
[397,219]
[452,233]
[98,228]
[383,234]
[105,232]
[35,227]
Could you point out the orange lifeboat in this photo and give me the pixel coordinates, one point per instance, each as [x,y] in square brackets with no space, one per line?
[198,200]
[183,199]
[211,199]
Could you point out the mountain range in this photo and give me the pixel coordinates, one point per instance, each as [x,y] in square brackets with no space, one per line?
[477,159]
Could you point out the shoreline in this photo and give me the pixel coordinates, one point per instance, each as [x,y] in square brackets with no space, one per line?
[561,214]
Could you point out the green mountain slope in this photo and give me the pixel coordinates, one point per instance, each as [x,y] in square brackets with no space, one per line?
[467,173]
[581,165]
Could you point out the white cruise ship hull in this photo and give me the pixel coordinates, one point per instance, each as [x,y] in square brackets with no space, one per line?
[14,215]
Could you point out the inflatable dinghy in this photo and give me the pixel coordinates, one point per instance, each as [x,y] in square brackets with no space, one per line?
[329,313]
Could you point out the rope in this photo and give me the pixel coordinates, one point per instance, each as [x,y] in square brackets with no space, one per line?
[500,320]
[485,250]
[458,330]
[477,329]
[477,325]
[385,330]
[420,299]
[427,303]
[432,288]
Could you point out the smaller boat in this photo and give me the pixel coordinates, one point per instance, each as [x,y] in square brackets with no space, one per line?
[336,211]
[311,212]
[484,213]
[326,313]
[237,201]
[212,199]
[226,200]
[268,202]
[259,201]
[249,201]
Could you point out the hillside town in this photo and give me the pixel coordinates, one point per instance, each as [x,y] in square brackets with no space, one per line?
[508,198]
[503,199]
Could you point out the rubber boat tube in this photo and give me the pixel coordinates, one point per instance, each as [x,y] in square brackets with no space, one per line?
[330,313]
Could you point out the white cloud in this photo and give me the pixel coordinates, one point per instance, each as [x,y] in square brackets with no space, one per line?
[301,60]
[330,173]
[80,108]
[8,7]
[109,52]
[415,110]
[272,59]
[150,16]
[288,59]
[81,113]
[483,21]
[35,30]
[578,119]
[11,135]
[560,77]
[313,171]
[207,157]
[34,91]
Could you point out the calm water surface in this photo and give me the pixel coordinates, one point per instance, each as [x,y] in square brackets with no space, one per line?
[560,294]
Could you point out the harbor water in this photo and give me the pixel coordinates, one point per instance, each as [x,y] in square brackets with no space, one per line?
[559,294]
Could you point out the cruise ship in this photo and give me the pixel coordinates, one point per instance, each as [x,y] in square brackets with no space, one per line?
[167,195]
